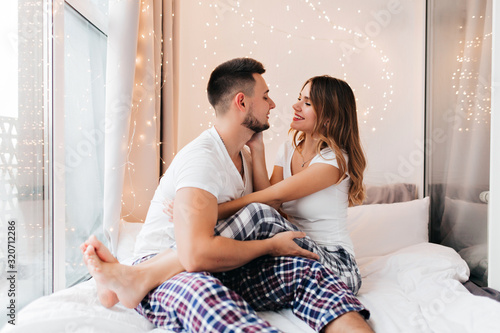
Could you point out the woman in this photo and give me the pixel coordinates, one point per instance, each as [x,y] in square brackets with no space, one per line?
[316,177]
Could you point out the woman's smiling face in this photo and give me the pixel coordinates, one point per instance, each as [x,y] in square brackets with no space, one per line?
[304,118]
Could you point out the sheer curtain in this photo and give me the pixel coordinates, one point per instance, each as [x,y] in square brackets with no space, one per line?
[137,73]
[460,111]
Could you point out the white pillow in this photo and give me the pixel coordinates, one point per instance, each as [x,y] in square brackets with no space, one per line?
[377,230]
[126,240]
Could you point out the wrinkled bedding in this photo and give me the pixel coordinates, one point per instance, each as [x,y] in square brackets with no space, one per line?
[416,289]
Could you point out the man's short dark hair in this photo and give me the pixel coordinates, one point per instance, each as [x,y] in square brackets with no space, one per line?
[230,78]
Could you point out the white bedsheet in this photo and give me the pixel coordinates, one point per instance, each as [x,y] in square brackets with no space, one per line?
[416,289]
[419,289]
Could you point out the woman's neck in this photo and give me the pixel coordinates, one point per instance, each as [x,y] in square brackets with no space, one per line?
[308,146]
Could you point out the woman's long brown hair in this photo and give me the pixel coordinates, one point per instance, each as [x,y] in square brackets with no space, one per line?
[337,127]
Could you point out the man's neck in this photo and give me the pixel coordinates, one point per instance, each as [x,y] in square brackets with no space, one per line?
[233,137]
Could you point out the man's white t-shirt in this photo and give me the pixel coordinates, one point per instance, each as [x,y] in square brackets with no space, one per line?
[204,163]
[323,214]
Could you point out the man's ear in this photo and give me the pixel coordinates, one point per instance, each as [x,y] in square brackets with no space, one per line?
[239,100]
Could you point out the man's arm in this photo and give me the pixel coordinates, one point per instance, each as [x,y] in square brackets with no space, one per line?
[195,216]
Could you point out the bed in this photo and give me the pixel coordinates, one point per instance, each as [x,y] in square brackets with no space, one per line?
[409,284]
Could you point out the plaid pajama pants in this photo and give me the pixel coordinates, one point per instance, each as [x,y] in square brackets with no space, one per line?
[259,221]
[226,302]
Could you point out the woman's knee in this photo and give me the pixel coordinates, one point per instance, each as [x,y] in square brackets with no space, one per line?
[269,218]
[310,267]
[261,207]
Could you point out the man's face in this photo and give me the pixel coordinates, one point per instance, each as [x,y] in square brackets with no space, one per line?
[260,105]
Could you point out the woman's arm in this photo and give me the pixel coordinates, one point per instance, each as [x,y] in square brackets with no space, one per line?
[313,179]
[277,175]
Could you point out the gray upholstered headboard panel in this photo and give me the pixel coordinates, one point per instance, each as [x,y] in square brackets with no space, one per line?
[390,193]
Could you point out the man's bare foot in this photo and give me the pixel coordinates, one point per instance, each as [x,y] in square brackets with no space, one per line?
[121,280]
[101,250]
[106,296]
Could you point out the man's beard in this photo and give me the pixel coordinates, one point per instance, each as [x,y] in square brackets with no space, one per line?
[253,124]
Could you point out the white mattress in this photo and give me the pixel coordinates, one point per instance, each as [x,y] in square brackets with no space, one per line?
[415,288]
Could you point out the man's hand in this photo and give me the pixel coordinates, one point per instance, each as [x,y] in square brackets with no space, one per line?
[282,244]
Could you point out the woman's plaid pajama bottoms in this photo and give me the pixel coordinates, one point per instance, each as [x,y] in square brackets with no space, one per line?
[226,302]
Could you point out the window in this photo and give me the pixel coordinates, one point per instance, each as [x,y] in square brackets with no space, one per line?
[51,139]
[23,130]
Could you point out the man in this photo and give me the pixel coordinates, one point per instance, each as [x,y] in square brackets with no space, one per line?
[215,168]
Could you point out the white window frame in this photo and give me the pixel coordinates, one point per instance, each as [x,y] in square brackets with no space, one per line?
[88,10]
[48,105]
[494,199]
[57,146]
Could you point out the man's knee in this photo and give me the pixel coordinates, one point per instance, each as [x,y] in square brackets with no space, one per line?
[196,286]
[193,279]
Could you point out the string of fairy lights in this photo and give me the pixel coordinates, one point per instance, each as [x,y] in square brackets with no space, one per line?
[252,28]
[140,136]
[473,91]
[322,27]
